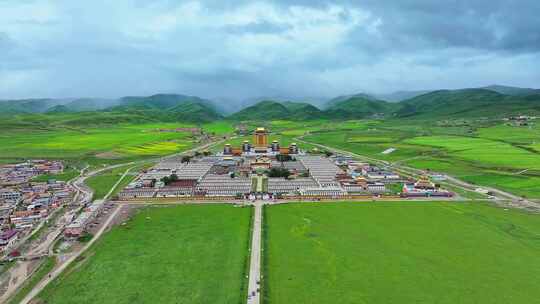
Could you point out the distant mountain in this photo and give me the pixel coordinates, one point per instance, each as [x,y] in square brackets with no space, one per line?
[400,95]
[466,103]
[270,109]
[169,107]
[27,105]
[513,91]
[359,107]
[46,105]
[263,110]
[90,104]
[59,109]
[160,101]
[194,111]
[339,99]
[302,110]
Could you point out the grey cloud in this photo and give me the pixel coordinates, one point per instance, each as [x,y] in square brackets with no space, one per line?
[257,28]
[142,47]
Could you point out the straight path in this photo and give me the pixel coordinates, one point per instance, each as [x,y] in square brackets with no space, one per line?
[255,261]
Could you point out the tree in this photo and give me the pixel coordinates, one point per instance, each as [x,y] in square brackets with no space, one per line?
[283,157]
[169,179]
[279,172]
[186,159]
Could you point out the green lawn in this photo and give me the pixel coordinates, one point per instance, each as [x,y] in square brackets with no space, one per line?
[410,252]
[181,254]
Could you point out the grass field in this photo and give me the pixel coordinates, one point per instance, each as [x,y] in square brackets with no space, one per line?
[99,144]
[410,252]
[486,154]
[181,254]
[102,183]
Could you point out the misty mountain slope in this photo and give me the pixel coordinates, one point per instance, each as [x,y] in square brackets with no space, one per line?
[169,107]
[160,101]
[302,110]
[359,107]
[262,111]
[400,95]
[465,103]
[27,105]
[270,109]
[332,102]
[91,104]
[513,91]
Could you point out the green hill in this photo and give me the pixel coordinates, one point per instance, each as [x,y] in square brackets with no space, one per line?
[169,107]
[466,103]
[90,104]
[159,101]
[360,107]
[302,110]
[513,91]
[59,109]
[269,109]
[27,105]
[334,101]
[194,112]
[263,110]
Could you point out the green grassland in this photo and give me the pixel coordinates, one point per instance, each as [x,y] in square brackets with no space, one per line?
[97,144]
[101,184]
[408,252]
[484,153]
[182,254]
[122,140]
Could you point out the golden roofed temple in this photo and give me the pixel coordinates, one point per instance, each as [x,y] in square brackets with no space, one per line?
[261,145]
[260,138]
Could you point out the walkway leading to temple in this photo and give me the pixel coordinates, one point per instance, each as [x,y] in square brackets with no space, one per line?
[255,262]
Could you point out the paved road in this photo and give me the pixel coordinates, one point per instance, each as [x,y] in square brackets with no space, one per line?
[41,285]
[255,262]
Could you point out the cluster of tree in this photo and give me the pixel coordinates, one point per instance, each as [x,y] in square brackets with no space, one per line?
[186,158]
[284,157]
[279,172]
[204,153]
[85,237]
[169,179]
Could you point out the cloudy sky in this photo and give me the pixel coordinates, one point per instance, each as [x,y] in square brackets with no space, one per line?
[238,49]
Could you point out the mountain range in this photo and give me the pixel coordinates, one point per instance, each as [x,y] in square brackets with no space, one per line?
[492,100]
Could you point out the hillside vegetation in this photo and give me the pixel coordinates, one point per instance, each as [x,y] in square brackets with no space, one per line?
[492,101]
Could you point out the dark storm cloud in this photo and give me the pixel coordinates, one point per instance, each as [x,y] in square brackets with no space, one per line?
[245,48]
